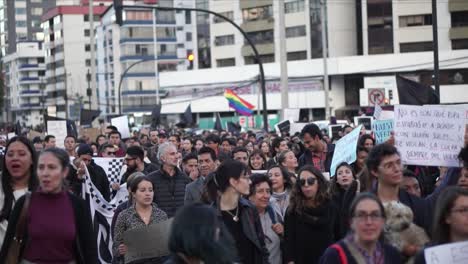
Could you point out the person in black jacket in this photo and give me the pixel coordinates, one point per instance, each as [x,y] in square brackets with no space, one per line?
[134,159]
[58,227]
[169,182]
[97,174]
[238,216]
[317,152]
[312,220]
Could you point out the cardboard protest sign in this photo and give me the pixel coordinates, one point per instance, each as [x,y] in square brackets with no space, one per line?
[429,135]
[452,253]
[59,130]
[365,121]
[121,123]
[147,242]
[345,149]
[382,130]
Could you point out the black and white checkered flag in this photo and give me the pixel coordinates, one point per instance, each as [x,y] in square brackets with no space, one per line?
[2,151]
[112,167]
[102,213]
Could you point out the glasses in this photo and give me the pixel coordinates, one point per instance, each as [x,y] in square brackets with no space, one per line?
[111,153]
[362,217]
[462,211]
[309,181]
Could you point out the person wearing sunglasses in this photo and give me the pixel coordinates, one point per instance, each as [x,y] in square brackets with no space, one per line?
[311,221]
[364,244]
[134,159]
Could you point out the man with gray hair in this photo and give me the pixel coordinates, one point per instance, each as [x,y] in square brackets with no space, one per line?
[169,182]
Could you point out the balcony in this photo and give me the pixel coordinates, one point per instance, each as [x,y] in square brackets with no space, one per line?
[130,23]
[33,106]
[169,56]
[135,93]
[30,93]
[266,48]
[30,80]
[146,40]
[258,25]
[31,67]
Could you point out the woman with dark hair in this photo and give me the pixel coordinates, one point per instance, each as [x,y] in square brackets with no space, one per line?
[100,140]
[257,160]
[18,177]
[281,188]
[226,188]
[266,150]
[450,219]
[288,160]
[311,214]
[199,143]
[364,244]
[361,156]
[340,183]
[260,192]
[366,141]
[195,237]
[57,224]
[143,213]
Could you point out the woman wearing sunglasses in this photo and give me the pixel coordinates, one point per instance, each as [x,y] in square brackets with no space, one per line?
[311,222]
[364,243]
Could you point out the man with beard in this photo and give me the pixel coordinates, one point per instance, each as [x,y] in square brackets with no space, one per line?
[135,162]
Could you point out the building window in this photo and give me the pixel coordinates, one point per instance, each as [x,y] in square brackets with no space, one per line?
[414,21]
[224,40]
[188,36]
[21,23]
[297,55]
[294,32]
[257,13]
[87,47]
[36,11]
[86,32]
[459,44]
[88,62]
[294,7]
[380,22]
[261,37]
[229,15]
[264,58]
[188,17]
[415,47]
[459,19]
[96,18]
[226,62]
[20,11]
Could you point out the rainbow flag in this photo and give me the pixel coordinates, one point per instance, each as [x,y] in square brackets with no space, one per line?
[240,105]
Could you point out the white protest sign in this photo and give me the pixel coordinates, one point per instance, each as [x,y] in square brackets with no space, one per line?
[382,130]
[11,135]
[291,114]
[345,149]
[296,127]
[58,129]
[429,135]
[386,115]
[121,123]
[377,111]
[452,253]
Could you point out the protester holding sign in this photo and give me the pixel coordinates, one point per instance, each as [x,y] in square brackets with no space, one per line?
[450,220]
[18,176]
[143,213]
[57,224]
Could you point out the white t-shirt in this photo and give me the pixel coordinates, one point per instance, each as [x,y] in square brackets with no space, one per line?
[4,224]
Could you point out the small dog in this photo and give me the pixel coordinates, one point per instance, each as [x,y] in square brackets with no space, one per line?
[400,231]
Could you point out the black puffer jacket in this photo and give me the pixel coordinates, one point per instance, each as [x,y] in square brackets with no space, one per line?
[169,191]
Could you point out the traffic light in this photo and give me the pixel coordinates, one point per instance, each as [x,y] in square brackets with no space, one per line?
[190,58]
[118,11]
[390,94]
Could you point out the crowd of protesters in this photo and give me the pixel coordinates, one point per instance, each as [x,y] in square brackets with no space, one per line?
[236,198]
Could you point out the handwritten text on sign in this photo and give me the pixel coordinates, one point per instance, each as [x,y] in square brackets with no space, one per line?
[345,149]
[453,253]
[382,130]
[429,135]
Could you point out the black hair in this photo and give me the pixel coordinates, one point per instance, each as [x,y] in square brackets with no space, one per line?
[276,144]
[136,151]
[7,188]
[100,136]
[334,185]
[113,128]
[363,138]
[104,146]
[219,181]
[288,184]
[463,156]
[239,149]
[230,141]
[60,154]
[48,137]
[136,181]
[256,179]
[70,136]
[443,208]
[298,200]
[114,132]
[194,234]
[213,138]
[378,153]
[188,157]
[345,127]
[311,129]
[365,196]
[177,136]
[257,152]
[208,150]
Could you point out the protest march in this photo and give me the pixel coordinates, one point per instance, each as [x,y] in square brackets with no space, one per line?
[391,187]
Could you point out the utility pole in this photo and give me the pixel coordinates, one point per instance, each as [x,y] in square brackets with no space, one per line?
[435,46]
[323,17]
[155,50]
[92,51]
[283,61]
[89,92]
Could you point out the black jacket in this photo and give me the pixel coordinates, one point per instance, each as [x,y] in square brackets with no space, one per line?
[149,168]
[98,177]
[252,228]
[85,242]
[169,191]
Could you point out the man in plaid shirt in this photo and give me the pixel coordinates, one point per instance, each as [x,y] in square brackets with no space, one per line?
[317,152]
